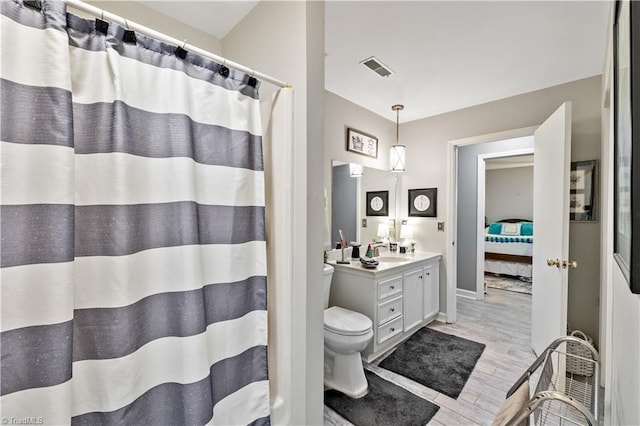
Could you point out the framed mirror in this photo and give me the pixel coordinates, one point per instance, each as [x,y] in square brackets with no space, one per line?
[349,201]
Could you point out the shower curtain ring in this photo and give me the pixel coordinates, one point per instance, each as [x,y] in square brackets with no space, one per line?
[102,14]
[184,43]
[126,24]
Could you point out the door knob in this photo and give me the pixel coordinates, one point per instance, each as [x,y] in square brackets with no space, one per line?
[570,263]
[553,262]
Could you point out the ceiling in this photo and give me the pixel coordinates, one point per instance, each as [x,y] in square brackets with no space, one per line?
[216,17]
[445,55]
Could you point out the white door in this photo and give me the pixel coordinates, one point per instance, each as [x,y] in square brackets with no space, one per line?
[551,164]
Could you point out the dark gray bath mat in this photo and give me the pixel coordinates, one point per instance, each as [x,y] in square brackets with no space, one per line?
[385,404]
[436,360]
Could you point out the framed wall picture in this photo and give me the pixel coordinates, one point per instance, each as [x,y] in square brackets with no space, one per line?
[423,202]
[362,143]
[378,203]
[626,143]
[582,190]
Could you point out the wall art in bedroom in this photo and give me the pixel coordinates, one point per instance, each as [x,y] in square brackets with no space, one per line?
[582,190]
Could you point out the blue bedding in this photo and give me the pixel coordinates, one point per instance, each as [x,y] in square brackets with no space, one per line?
[508,239]
[519,229]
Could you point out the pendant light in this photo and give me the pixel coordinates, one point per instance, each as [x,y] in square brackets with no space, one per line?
[397,153]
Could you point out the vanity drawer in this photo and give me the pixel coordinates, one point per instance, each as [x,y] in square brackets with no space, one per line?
[389,310]
[389,329]
[389,287]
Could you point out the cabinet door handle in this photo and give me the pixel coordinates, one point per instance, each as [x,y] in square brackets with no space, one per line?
[428,273]
[420,276]
[392,287]
[392,309]
[393,329]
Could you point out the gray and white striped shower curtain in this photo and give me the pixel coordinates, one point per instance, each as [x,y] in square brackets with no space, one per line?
[132,220]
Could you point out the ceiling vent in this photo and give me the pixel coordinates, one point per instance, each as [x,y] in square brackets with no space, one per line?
[376,66]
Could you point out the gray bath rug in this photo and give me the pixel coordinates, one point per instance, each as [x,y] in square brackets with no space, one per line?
[436,360]
[503,282]
[385,404]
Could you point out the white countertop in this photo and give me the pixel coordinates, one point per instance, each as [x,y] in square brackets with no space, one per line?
[387,262]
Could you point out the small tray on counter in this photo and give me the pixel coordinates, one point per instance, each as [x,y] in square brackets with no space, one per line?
[368,262]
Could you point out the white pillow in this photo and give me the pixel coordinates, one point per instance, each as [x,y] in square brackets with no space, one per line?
[510,229]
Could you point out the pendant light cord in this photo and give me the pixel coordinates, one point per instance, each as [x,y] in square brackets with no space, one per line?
[397,126]
[397,108]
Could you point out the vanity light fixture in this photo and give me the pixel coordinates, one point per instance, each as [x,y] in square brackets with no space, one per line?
[355,170]
[397,153]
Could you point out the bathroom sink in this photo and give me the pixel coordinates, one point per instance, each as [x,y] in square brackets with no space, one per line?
[390,259]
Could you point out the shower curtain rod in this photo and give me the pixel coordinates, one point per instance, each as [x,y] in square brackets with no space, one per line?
[102,14]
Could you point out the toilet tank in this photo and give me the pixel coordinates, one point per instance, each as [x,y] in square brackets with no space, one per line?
[328,274]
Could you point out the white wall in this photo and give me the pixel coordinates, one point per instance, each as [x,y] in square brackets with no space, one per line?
[624,386]
[286,40]
[341,114]
[509,193]
[136,12]
[620,311]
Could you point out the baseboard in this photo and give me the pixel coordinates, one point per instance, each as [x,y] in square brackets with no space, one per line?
[442,317]
[466,293]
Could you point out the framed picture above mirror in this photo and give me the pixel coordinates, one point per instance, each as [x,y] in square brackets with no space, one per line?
[362,143]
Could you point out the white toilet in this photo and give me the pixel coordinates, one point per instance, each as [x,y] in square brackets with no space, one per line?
[346,334]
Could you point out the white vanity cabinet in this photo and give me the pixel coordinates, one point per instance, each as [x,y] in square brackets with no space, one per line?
[399,296]
[431,300]
[413,298]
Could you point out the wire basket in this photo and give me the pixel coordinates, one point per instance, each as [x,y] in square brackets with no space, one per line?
[581,363]
[573,394]
[560,396]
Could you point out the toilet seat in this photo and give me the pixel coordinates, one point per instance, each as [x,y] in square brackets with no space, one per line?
[345,322]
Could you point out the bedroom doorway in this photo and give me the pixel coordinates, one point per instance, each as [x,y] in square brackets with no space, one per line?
[507,232]
[462,233]
[506,258]
[551,215]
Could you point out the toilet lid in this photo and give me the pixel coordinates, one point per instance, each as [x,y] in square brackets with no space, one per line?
[346,322]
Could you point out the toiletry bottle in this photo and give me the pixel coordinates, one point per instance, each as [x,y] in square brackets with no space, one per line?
[369,252]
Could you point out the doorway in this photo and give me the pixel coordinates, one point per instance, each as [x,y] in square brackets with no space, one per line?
[551,214]
[463,217]
[505,202]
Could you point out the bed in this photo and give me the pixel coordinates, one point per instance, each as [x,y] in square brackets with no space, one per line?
[508,247]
